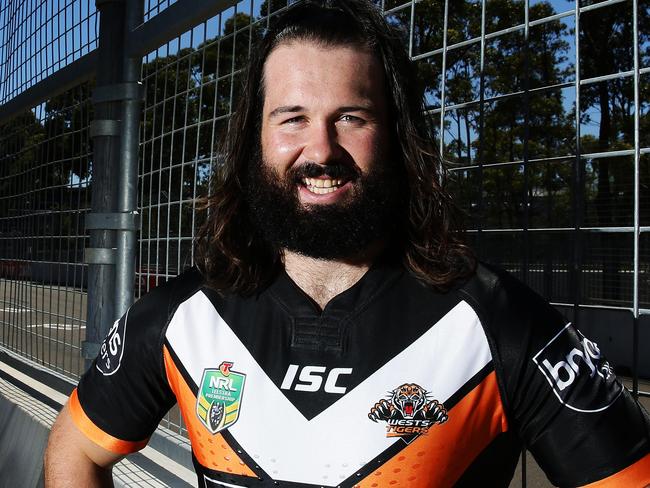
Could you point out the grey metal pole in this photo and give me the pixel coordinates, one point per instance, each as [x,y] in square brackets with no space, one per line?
[637,223]
[481,132]
[443,83]
[127,200]
[527,200]
[104,130]
[576,269]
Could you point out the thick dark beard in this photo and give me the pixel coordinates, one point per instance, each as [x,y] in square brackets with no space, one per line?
[338,231]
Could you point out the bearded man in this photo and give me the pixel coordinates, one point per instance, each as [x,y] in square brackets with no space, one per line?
[337,332]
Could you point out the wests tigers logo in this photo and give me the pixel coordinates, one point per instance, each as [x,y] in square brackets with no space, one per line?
[408,411]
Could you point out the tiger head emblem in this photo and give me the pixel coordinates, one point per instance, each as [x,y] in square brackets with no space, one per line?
[409,402]
[409,399]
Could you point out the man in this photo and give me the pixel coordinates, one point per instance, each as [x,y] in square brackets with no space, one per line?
[338,333]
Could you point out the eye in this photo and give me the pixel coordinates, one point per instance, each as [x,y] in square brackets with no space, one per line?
[294,120]
[351,118]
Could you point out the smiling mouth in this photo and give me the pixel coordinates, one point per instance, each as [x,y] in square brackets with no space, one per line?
[322,186]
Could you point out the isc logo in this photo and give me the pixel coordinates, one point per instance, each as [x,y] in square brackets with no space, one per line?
[583,359]
[311,379]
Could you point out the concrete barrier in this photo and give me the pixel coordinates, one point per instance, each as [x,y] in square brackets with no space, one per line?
[28,408]
[23,437]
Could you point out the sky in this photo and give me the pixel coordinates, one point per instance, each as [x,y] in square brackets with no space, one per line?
[68,30]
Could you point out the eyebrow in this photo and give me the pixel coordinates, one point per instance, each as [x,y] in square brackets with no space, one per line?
[285,109]
[357,108]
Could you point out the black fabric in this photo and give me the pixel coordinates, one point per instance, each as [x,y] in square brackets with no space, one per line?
[364,328]
[572,447]
[387,295]
[496,463]
[130,402]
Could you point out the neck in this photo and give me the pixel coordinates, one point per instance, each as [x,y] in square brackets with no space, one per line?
[324,279]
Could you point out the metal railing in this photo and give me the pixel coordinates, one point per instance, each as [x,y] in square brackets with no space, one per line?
[537,112]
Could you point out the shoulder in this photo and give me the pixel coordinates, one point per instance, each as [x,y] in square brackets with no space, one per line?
[506,305]
[518,324]
[140,332]
[159,304]
[129,365]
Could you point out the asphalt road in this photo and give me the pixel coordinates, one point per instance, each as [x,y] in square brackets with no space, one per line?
[46,324]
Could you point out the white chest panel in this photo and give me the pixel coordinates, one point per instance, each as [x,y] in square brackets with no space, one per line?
[334,444]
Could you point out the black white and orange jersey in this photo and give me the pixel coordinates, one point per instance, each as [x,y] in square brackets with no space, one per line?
[392,384]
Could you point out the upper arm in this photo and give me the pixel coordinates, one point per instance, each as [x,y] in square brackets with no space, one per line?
[563,398]
[67,441]
[123,395]
[120,399]
[72,459]
[574,415]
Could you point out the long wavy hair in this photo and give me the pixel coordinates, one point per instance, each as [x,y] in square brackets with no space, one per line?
[232,254]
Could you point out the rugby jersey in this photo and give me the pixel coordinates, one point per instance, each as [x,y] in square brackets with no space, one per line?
[393,384]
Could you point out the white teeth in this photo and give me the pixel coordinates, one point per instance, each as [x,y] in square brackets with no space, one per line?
[321,191]
[313,183]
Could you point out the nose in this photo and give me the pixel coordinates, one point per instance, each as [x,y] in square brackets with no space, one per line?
[322,145]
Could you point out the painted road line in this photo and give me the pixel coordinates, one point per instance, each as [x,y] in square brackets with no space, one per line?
[170,465]
[55,395]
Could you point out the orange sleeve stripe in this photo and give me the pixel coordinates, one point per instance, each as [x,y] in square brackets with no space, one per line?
[98,436]
[210,450]
[473,423]
[636,475]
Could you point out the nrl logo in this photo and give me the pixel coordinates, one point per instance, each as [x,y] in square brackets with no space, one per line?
[409,411]
[219,397]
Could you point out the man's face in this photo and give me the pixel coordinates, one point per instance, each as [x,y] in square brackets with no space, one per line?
[323,105]
[325,183]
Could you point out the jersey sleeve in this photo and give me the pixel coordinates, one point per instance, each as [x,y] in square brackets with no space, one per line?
[120,400]
[561,394]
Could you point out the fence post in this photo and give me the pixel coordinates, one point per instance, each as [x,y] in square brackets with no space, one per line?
[105,131]
[128,166]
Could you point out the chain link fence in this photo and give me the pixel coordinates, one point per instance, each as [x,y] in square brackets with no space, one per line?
[540,110]
[45,167]
[39,37]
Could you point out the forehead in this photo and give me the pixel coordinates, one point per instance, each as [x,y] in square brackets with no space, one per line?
[299,70]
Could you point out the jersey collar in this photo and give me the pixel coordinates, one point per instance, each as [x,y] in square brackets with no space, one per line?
[298,304]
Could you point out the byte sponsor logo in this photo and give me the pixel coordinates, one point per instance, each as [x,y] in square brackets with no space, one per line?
[580,377]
